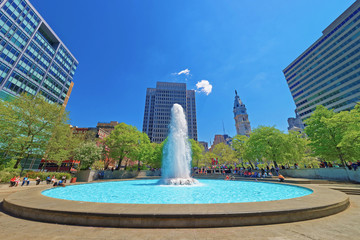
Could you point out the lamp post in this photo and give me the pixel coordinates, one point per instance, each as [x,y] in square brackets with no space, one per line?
[139,157]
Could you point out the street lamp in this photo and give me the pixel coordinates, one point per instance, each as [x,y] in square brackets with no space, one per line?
[138,157]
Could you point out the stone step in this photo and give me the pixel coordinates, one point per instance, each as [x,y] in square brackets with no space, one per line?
[348,191]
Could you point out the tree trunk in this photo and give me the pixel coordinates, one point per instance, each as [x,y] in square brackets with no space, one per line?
[275,164]
[119,165]
[17,163]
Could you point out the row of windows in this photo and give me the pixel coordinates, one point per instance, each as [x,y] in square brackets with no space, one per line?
[38,55]
[9,29]
[30,69]
[329,54]
[331,74]
[18,84]
[328,48]
[73,69]
[351,101]
[323,39]
[49,97]
[4,70]
[44,44]
[344,81]
[332,94]
[8,52]
[68,83]
[328,62]
[354,100]
[22,14]
[333,66]
[58,73]
[52,85]
[64,59]
[329,82]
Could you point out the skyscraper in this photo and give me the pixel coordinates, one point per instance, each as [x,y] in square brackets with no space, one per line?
[158,104]
[328,72]
[33,59]
[242,122]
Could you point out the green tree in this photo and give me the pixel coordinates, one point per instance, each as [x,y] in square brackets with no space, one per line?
[122,142]
[87,153]
[27,124]
[62,144]
[224,153]
[196,152]
[206,159]
[239,144]
[334,136]
[297,148]
[143,149]
[266,144]
[157,153]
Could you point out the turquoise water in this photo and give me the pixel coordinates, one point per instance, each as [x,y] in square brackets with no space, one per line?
[149,192]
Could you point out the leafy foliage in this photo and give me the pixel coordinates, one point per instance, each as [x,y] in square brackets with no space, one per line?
[124,141]
[26,125]
[334,136]
[224,153]
[87,153]
[196,152]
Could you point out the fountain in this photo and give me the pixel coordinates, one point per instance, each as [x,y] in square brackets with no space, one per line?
[177,202]
[177,151]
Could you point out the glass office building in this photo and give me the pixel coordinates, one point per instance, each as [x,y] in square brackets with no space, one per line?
[328,72]
[32,57]
[158,104]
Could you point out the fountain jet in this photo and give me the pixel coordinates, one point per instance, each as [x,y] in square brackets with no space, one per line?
[177,151]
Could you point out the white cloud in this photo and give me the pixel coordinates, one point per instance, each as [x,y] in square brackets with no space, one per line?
[186,72]
[204,86]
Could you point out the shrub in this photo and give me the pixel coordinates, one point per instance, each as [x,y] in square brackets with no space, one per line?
[8,173]
[43,175]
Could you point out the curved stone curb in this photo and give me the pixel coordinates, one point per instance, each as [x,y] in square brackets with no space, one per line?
[31,204]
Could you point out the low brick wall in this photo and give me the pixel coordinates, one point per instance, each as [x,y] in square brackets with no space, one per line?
[153,173]
[92,175]
[340,174]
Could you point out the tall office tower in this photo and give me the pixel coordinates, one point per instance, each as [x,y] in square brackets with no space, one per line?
[242,122]
[158,104]
[328,72]
[32,57]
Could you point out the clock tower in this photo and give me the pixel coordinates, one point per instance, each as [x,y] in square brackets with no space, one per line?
[242,123]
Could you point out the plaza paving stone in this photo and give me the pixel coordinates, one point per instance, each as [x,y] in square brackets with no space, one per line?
[344,225]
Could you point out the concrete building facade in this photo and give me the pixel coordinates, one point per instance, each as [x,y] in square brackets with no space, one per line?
[221,138]
[295,124]
[328,72]
[33,59]
[241,117]
[158,104]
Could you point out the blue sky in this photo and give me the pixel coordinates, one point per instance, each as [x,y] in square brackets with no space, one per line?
[124,47]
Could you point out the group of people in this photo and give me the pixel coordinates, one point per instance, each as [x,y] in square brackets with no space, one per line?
[15,181]
[52,180]
[353,165]
[229,178]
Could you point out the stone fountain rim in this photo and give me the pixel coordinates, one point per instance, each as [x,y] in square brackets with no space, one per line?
[31,204]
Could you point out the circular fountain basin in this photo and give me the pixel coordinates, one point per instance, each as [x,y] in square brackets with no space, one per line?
[32,204]
[150,192]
